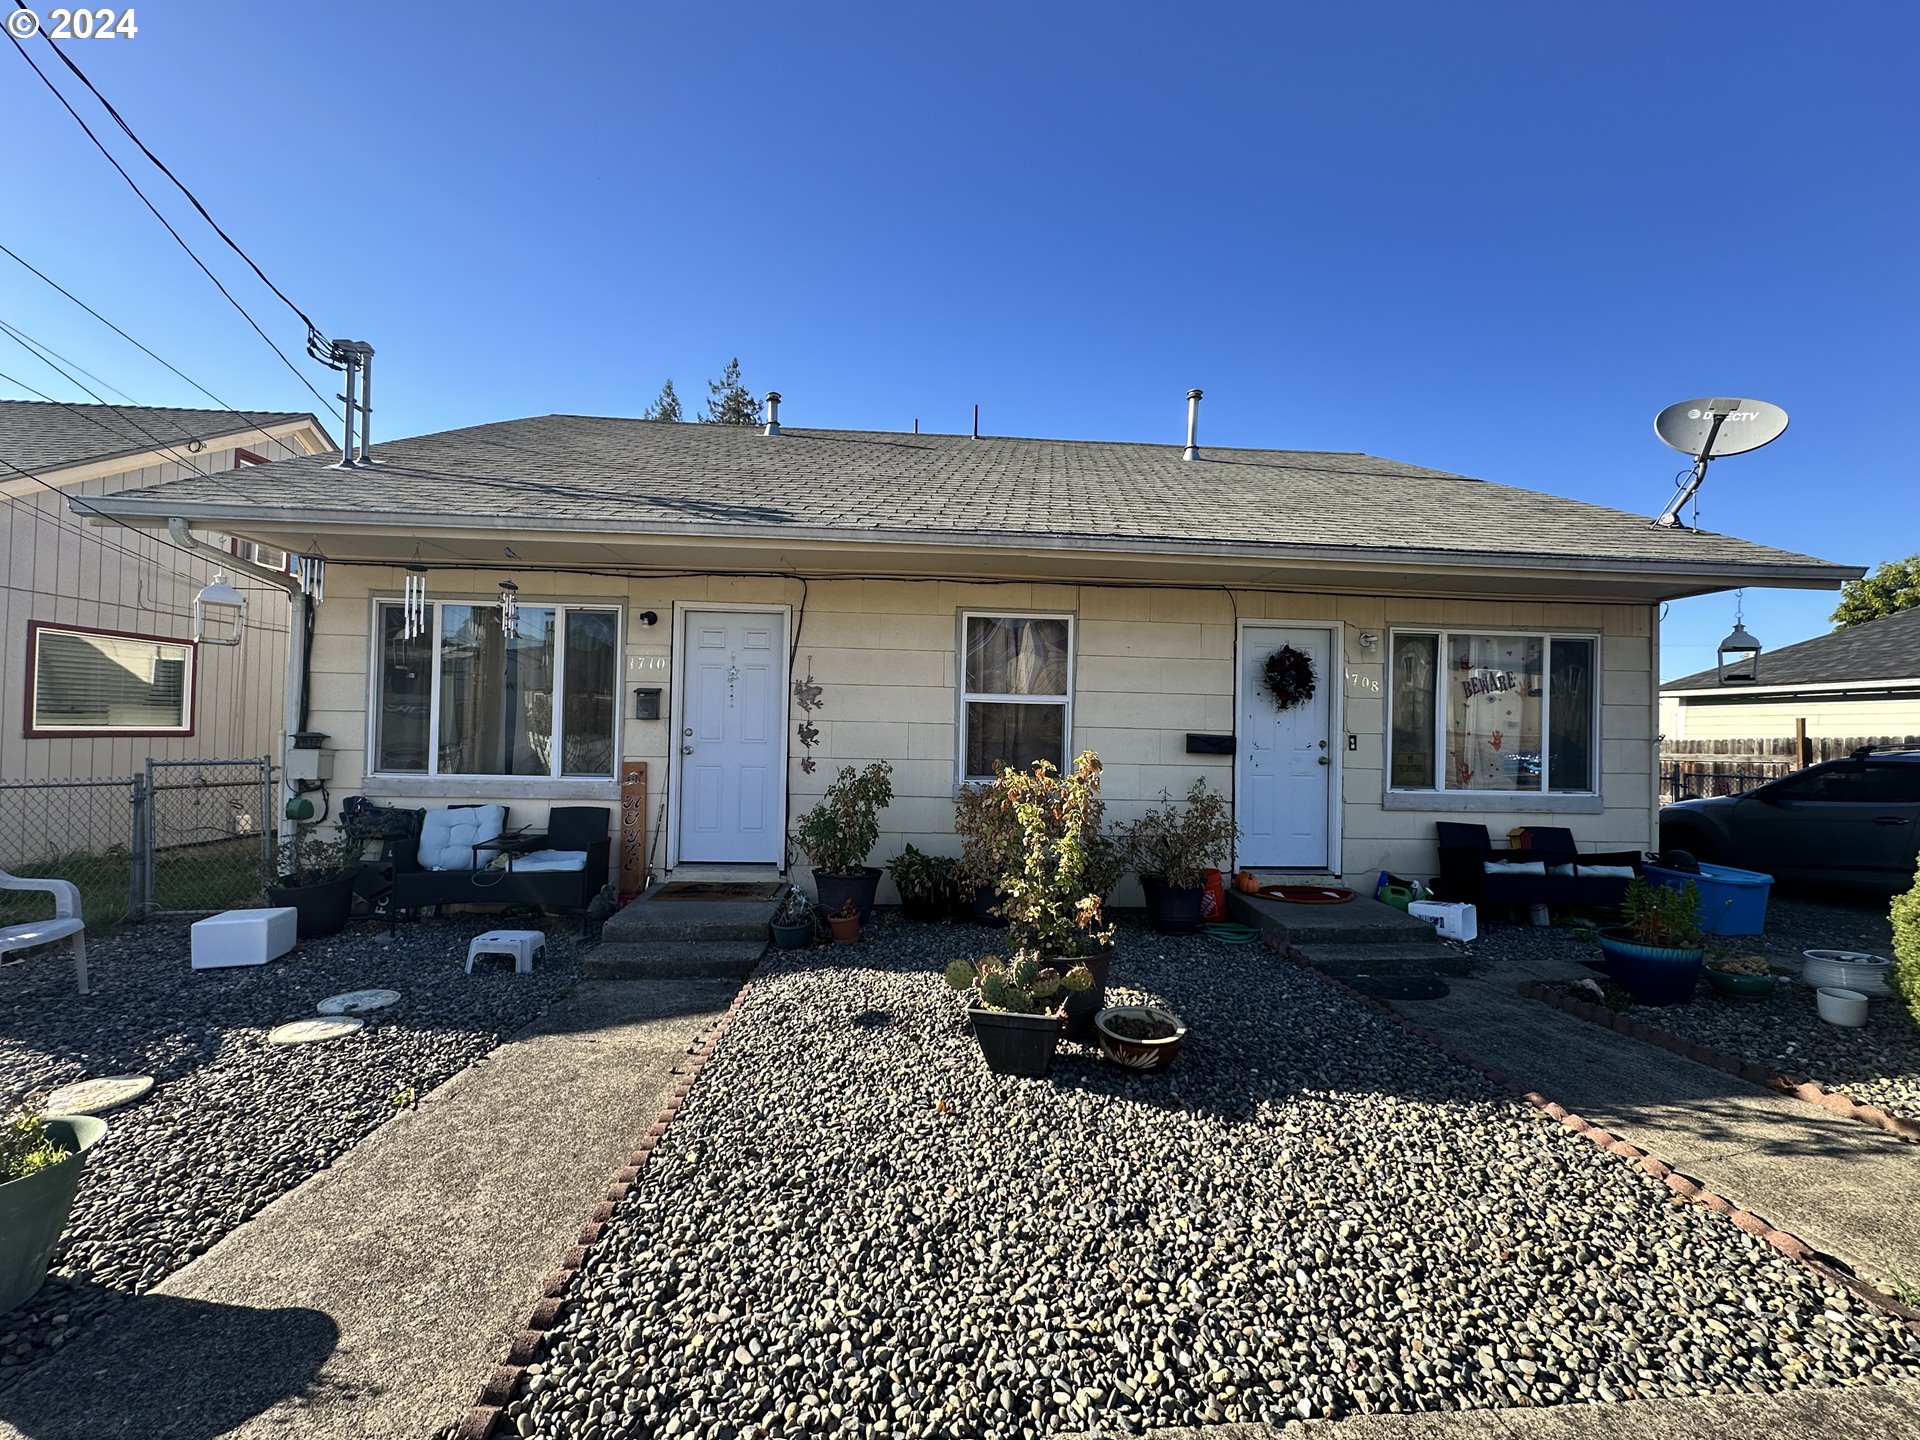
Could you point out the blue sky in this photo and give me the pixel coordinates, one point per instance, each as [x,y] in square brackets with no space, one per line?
[1491,238]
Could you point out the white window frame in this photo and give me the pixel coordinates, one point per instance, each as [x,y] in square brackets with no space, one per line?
[967,697]
[556,767]
[1442,634]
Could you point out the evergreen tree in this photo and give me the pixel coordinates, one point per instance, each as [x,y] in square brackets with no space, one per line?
[729,402]
[666,407]
[1891,588]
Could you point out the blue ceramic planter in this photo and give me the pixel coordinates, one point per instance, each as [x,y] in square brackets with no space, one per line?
[1653,974]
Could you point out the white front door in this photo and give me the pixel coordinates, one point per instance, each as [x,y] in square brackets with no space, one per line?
[1284,762]
[733,737]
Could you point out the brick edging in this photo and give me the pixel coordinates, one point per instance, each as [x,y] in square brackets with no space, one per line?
[1822,1097]
[487,1414]
[1682,1185]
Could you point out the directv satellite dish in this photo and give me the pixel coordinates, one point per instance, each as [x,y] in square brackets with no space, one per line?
[1708,429]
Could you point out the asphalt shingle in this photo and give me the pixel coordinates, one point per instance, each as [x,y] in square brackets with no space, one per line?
[1884,649]
[39,436]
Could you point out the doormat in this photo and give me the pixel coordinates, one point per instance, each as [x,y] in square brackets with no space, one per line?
[1308,894]
[1399,987]
[720,890]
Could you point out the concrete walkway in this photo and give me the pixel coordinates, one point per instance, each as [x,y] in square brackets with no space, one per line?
[373,1300]
[1842,1187]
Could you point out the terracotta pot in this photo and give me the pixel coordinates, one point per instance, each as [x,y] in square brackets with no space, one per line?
[846,928]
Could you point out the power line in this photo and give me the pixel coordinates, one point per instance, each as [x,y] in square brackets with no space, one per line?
[253,420]
[47,350]
[46,80]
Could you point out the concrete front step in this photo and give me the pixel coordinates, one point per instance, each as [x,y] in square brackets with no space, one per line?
[726,959]
[1361,921]
[1431,958]
[646,920]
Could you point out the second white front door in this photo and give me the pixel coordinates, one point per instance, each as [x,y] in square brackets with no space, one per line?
[733,737]
[1284,759]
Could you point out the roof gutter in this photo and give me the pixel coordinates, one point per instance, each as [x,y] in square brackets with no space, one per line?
[184,537]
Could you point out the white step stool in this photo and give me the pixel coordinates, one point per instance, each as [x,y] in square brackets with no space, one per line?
[523,945]
[244,937]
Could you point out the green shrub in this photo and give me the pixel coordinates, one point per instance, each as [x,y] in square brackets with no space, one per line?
[25,1146]
[1655,915]
[1906,948]
[837,834]
[1050,903]
[920,876]
[1179,845]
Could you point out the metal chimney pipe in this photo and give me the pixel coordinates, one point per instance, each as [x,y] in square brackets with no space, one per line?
[773,413]
[348,362]
[1192,452]
[366,404]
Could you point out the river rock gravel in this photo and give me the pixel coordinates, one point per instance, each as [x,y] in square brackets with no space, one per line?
[233,1121]
[851,1229]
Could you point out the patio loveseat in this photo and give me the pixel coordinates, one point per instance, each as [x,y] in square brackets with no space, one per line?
[467,855]
[1550,870]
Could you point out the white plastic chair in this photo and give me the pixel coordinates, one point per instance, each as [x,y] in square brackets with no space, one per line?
[66,923]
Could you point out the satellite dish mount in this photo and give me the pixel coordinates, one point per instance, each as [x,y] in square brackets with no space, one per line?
[1708,429]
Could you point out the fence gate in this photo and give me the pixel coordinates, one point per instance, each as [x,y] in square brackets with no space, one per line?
[208,828]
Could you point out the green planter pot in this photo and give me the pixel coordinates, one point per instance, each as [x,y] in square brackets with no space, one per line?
[320,909]
[1016,1044]
[793,937]
[34,1209]
[1740,987]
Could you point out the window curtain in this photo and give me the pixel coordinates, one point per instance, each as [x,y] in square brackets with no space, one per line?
[1494,686]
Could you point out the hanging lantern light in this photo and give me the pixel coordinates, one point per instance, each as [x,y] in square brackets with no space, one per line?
[413,607]
[509,609]
[224,600]
[1739,653]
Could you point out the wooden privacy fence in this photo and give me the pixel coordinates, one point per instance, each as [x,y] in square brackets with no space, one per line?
[1690,769]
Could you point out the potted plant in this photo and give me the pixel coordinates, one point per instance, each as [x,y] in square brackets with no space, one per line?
[845,923]
[1173,847]
[1657,952]
[1140,1037]
[793,921]
[40,1165]
[317,878]
[1052,897]
[927,884]
[837,834]
[1015,1009]
[989,834]
[1740,977]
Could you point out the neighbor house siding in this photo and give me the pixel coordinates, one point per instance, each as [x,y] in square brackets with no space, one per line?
[1150,666]
[1684,718]
[60,568]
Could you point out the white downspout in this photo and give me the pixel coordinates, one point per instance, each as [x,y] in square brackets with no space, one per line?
[184,537]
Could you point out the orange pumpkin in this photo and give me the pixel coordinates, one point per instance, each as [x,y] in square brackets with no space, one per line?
[1247,883]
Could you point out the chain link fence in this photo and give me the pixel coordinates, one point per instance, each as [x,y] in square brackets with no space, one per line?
[185,837]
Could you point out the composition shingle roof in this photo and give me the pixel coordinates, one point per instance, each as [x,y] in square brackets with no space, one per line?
[39,436]
[1884,649]
[573,472]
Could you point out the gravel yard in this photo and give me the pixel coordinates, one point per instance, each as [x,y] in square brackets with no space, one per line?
[852,1229]
[1878,1063]
[233,1121]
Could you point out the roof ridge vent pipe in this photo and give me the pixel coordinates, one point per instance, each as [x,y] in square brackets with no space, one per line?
[773,413]
[348,362]
[366,402]
[1192,452]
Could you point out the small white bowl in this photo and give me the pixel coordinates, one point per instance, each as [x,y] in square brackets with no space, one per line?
[1846,970]
[1841,1007]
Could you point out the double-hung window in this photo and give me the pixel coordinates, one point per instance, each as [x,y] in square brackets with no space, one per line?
[465,698]
[1016,691]
[103,682]
[1473,711]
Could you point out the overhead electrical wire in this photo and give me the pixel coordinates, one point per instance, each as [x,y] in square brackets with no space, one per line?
[313,333]
[47,350]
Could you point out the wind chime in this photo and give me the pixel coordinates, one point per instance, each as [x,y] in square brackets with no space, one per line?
[310,570]
[413,603]
[509,609]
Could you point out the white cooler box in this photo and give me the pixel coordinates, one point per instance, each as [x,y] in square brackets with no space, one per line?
[244,937]
[1455,920]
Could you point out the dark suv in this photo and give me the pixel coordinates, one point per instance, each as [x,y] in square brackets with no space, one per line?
[1853,822]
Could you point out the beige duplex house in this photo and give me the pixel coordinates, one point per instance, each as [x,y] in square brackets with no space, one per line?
[743,611]
[98,666]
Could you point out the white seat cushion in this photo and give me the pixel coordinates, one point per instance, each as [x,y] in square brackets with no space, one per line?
[1514,867]
[1608,872]
[549,860]
[448,837]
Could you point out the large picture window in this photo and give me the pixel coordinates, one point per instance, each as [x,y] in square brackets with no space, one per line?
[464,698]
[1016,691]
[1472,711]
[100,682]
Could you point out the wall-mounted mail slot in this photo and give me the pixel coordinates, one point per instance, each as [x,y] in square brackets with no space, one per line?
[1209,744]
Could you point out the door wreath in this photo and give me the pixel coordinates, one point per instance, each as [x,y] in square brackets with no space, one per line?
[1290,678]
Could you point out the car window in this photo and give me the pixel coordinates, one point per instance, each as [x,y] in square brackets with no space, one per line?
[1854,783]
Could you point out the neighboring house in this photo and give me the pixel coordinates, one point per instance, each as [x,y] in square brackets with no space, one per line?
[1860,682]
[100,669]
[814,599]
